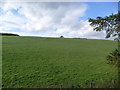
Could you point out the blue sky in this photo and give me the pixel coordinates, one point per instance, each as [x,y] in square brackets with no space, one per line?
[100,9]
[54,19]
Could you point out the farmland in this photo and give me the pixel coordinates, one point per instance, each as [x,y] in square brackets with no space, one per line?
[39,62]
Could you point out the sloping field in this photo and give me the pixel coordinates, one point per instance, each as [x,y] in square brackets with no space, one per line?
[53,62]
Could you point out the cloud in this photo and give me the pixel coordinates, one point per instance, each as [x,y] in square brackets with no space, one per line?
[46,19]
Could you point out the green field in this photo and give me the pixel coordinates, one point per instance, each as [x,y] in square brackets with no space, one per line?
[39,62]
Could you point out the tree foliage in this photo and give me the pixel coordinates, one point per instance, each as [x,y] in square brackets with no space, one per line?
[112,58]
[109,23]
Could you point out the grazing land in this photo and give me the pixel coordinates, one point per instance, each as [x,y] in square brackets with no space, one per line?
[39,62]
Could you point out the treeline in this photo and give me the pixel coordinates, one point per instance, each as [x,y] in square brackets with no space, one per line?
[8,34]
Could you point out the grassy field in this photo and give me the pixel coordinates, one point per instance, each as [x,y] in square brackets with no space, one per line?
[53,62]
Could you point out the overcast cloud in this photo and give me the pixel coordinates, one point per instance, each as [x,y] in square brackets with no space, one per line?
[47,19]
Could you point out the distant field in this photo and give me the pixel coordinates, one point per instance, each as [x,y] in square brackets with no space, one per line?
[53,62]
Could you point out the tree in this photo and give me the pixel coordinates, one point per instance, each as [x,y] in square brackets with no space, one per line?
[112,58]
[111,24]
[61,37]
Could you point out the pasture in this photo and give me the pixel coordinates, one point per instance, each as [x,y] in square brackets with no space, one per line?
[40,62]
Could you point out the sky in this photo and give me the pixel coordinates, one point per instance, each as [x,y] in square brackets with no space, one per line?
[50,19]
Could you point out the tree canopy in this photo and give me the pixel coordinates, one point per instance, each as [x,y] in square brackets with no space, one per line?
[111,24]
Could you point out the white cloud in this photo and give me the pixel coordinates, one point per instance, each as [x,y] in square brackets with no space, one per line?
[47,19]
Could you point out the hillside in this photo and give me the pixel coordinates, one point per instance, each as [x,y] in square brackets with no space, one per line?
[54,62]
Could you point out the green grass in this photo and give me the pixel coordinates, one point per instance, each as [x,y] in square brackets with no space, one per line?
[37,62]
